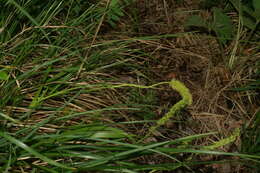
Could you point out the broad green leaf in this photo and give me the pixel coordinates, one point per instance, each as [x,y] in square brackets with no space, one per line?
[241,8]
[196,21]
[256,5]
[114,3]
[222,26]
[248,22]
[3,75]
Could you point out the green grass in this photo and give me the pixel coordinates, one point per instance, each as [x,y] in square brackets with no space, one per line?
[64,107]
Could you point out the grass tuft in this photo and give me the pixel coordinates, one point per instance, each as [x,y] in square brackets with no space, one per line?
[82,82]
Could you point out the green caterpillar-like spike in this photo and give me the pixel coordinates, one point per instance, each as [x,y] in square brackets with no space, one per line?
[184,102]
[224,141]
[182,90]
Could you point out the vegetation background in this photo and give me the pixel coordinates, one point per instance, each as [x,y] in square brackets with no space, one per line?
[82,82]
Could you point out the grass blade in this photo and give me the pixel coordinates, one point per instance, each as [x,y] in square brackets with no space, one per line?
[32,151]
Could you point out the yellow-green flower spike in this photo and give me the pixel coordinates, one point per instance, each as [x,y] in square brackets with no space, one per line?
[184,102]
[224,141]
[182,90]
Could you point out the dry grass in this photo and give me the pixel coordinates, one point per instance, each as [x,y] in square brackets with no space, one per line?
[196,59]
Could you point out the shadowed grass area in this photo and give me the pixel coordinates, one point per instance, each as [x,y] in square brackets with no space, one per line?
[78,94]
